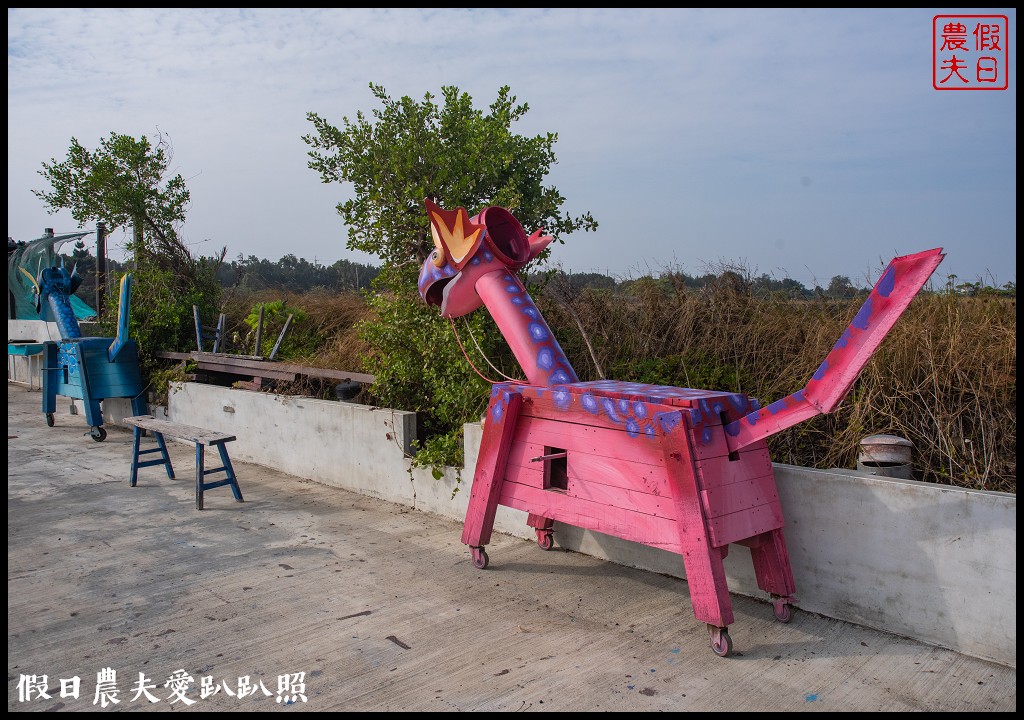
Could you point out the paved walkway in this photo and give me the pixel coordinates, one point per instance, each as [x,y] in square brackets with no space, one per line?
[379,608]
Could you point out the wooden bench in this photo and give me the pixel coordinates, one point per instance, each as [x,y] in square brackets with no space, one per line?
[200,436]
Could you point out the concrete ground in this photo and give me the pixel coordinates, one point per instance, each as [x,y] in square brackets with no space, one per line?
[379,608]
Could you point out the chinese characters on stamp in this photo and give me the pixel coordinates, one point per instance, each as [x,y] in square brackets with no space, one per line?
[970,52]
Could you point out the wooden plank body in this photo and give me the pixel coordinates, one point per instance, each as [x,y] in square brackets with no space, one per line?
[80,368]
[647,464]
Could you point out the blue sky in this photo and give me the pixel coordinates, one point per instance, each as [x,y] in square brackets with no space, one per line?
[793,143]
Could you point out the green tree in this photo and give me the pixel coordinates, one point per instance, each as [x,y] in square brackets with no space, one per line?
[456,155]
[841,287]
[124,182]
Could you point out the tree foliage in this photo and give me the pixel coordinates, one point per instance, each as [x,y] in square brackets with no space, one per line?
[456,155]
[122,182]
[125,182]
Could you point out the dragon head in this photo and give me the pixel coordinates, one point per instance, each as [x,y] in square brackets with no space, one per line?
[468,248]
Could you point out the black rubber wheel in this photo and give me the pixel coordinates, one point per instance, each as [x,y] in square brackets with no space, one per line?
[49,419]
[784,615]
[480,559]
[98,433]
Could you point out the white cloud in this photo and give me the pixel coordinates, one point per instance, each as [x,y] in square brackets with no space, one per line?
[792,138]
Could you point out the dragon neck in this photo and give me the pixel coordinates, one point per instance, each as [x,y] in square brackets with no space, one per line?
[525,330]
[59,304]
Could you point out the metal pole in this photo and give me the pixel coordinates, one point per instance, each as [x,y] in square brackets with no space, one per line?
[101,266]
[287,324]
[259,333]
[199,328]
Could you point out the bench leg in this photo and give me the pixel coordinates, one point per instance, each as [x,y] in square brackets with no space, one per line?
[137,451]
[200,473]
[226,461]
[136,438]
[163,453]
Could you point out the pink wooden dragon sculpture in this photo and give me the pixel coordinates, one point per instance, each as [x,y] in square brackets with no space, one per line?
[676,468]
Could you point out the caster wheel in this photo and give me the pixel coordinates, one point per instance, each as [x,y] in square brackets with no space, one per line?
[783,613]
[480,558]
[721,643]
[49,419]
[546,540]
[98,433]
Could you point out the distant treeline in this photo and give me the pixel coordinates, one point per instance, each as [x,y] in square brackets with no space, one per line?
[294,274]
[289,274]
[299,275]
[840,287]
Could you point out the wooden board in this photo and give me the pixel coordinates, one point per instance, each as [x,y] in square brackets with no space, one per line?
[178,430]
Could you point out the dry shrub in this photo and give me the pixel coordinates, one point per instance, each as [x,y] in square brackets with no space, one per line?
[329,328]
[944,378]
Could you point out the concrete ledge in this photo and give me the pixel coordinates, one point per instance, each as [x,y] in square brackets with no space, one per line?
[928,562]
[356,447]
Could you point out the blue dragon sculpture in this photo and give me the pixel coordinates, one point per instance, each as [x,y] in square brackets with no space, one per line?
[90,369]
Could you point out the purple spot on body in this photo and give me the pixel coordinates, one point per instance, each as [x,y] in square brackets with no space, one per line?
[514,289]
[706,435]
[475,261]
[560,376]
[624,406]
[863,318]
[640,409]
[497,411]
[777,406]
[589,403]
[649,430]
[562,398]
[696,417]
[752,418]
[718,408]
[820,372]
[538,332]
[488,255]
[704,405]
[888,282]
[843,339]
[545,358]
[632,428]
[668,420]
[530,311]
[609,410]
[517,300]
[733,429]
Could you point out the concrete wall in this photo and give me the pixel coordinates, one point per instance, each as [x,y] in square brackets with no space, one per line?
[31,330]
[928,562]
[28,369]
[341,444]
